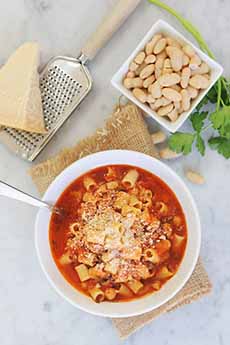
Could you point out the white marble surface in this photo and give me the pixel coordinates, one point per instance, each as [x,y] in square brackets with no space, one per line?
[30,311]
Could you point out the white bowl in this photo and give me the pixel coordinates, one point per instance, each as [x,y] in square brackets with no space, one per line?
[163,27]
[142,305]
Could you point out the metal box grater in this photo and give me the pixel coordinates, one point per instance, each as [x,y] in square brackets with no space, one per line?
[64,82]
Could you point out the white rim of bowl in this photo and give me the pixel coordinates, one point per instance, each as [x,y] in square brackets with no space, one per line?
[195,256]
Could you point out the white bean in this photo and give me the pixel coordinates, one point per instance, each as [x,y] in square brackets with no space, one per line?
[185,75]
[131,83]
[140,68]
[147,71]
[140,58]
[167,63]
[202,69]
[173,43]
[195,61]
[176,87]
[150,59]
[158,137]
[163,111]
[149,46]
[155,90]
[167,153]
[150,99]
[188,50]
[133,66]
[130,74]
[193,93]
[185,100]
[173,115]
[171,94]
[169,79]
[199,82]
[140,95]
[194,177]
[185,60]
[159,66]
[160,46]
[176,57]
[147,82]
[164,101]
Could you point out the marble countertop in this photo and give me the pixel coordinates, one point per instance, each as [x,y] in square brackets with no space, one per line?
[30,311]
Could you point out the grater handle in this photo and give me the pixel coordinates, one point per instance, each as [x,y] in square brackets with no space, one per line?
[108,27]
[14,193]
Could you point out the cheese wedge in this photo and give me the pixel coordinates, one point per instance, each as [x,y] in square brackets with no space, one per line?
[20,96]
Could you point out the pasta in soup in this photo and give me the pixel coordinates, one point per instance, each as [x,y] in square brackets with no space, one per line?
[122,234]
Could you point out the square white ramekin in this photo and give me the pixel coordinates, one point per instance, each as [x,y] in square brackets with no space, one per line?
[163,27]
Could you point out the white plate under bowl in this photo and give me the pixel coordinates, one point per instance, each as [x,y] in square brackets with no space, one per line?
[162,27]
[142,305]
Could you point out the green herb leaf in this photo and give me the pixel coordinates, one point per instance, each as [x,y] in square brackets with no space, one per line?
[181,142]
[222,145]
[197,120]
[200,145]
[221,121]
[225,91]
[212,94]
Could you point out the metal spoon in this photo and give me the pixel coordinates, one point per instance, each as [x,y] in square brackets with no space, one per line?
[14,193]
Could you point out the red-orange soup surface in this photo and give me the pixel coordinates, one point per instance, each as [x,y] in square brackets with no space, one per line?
[122,234]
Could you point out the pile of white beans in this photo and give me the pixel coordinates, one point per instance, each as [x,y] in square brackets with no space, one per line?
[167,76]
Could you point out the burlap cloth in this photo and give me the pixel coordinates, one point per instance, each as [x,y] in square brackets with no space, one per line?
[125,129]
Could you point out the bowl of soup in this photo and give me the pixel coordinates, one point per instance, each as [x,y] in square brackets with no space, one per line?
[127,238]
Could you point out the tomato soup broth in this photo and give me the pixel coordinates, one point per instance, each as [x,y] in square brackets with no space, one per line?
[122,234]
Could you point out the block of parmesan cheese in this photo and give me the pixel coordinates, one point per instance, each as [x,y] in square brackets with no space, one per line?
[20,96]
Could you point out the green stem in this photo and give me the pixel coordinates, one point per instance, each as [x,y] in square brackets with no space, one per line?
[222,102]
[206,127]
[218,94]
[223,81]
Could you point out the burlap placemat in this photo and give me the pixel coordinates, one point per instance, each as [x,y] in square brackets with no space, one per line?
[125,129]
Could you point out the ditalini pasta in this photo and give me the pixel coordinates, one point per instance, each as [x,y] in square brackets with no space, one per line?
[89,183]
[97,294]
[123,234]
[130,178]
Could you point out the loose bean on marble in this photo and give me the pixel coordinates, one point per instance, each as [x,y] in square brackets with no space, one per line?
[194,177]
[158,137]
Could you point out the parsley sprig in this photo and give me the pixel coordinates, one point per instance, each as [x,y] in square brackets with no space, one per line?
[218,121]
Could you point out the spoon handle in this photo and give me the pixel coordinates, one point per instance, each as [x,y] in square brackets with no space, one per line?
[14,193]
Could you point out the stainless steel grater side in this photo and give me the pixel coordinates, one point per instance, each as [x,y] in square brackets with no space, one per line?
[64,83]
